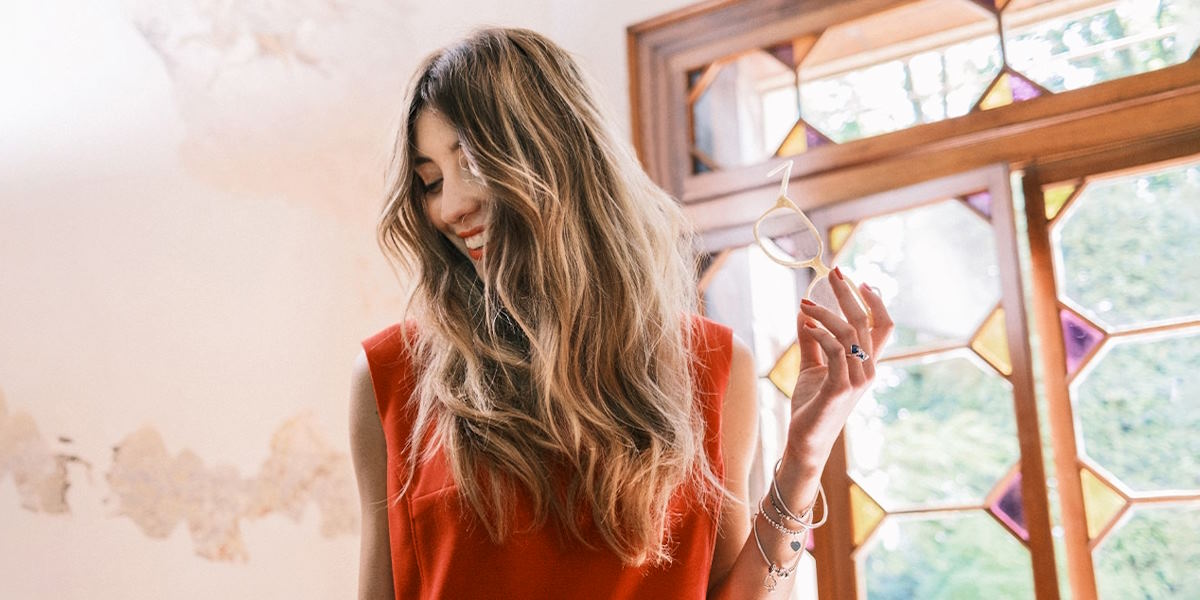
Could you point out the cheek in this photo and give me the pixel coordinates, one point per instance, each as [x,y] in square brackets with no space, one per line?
[434,214]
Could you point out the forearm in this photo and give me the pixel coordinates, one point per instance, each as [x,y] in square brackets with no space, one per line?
[749,576]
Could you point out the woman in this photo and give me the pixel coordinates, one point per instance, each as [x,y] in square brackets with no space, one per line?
[553,421]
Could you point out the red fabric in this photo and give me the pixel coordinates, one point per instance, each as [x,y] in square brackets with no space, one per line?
[436,553]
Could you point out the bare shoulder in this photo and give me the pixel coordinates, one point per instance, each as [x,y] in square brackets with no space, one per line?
[739,433]
[739,415]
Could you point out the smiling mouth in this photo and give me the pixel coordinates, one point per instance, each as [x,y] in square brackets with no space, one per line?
[475,244]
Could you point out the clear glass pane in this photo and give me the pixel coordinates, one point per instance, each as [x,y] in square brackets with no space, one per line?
[1137,411]
[962,555]
[935,266]
[746,111]
[1127,247]
[1068,48]
[1154,554]
[758,299]
[936,432]
[899,68]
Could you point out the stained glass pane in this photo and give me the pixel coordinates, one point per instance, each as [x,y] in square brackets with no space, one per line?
[1079,339]
[1153,554]
[1067,46]
[899,68]
[1001,94]
[802,138]
[1101,503]
[992,342]
[786,370]
[935,266]
[838,234]
[961,555]
[1010,509]
[1055,197]
[865,514]
[745,111]
[939,431]
[1126,249]
[1137,411]
[1008,88]
[981,201]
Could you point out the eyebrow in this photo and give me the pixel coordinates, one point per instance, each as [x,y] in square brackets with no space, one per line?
[422,159]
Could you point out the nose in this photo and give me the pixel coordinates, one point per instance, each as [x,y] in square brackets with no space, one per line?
[462,196]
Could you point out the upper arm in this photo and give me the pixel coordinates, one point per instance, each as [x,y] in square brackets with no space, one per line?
[368,449]
[739,434]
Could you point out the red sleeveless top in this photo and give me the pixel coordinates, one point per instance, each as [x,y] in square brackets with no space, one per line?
[436,554]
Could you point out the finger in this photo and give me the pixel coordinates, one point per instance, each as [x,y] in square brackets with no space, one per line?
[857,317]
[842,331]
[837,378]
[810,350]
[881,321]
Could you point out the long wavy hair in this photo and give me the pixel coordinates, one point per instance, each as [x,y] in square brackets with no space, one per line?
[563,368]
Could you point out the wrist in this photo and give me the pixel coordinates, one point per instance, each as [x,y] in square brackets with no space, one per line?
[798,479]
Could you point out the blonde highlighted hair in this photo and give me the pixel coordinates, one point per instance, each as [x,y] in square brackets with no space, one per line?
[564,371]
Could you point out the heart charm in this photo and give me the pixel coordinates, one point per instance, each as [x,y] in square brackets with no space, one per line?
[796,545]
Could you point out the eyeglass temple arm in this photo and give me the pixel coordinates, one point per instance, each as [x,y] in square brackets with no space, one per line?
[787,176]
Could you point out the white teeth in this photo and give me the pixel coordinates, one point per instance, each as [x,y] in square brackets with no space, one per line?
[476,241]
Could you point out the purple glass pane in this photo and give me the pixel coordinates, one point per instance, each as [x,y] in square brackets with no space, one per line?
[1010,509]
[981,202]
[1022,88]
[988,4]
[785,52]
[814,137]
[1079,338]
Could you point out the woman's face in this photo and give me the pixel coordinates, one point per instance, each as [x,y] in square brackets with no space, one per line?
[455,200]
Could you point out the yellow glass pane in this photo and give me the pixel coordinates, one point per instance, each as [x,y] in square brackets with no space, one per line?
[991,342]
[786,370]
[796,141]
[838,234]
[1100,502]
[1055,197]
[1000,95]
[865,514]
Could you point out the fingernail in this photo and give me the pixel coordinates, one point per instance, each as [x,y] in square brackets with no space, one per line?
[810,324]
[807,302]
[838,271]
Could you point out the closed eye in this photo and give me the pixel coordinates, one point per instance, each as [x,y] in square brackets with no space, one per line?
[433,187]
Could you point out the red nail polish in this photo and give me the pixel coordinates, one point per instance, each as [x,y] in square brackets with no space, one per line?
[807,302]
[838,271]
[810,324]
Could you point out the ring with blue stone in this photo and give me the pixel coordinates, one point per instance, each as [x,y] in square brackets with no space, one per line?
[857,352]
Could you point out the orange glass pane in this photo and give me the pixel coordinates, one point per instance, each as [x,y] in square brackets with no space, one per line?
[1056,197]
[1101,503]
[991,342]
[838,234]
[786,370]
[865,512]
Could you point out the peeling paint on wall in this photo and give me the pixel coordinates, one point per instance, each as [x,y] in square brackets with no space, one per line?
[157,491]
[39,473]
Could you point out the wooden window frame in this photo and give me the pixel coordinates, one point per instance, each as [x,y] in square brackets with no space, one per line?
[1152,115]
[1112,114]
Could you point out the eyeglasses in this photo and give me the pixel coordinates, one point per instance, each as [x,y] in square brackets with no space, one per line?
[819,289]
